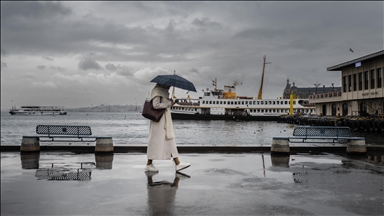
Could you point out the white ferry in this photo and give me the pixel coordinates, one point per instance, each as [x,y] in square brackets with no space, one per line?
[38,110]
[224,104]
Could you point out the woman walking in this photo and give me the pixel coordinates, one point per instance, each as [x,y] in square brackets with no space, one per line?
[162,145]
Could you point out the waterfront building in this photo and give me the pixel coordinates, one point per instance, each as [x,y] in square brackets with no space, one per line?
[362,91]
[305,92]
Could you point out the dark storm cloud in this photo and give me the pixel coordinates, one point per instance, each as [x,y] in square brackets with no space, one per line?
[110,67]
[89,64]
[3,52]
[205,23]
[41,67]
[28,33]
[121,69]
[257,33]
[131,42]
[57,68]
[34,10]
[47,58]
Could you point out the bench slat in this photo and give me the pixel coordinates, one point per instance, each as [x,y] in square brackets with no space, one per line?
[63,130]
[322,131]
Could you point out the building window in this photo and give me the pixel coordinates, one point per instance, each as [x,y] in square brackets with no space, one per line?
[360,81]
[344,83]
[379,78]
[354,82]
[349,83]
[365,79]
[372,79]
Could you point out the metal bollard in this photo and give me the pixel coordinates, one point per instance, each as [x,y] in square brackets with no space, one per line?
[357,146]
[104,145]
[280,145]
[30,144]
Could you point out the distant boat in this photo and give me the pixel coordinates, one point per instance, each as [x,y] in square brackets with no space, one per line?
[38,110]
[224,104]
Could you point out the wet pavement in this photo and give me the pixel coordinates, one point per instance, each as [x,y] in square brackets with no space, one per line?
[65,183]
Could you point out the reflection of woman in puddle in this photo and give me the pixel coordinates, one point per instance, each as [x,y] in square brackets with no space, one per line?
[161,194]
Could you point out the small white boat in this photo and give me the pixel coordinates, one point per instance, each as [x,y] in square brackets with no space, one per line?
[38,110]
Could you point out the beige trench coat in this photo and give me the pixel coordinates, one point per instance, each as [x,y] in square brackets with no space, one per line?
[158,147]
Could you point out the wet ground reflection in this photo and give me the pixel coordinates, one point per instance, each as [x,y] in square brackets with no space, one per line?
[222,184]
[161,194]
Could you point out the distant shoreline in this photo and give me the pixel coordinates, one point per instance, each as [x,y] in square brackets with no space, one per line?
[101,108]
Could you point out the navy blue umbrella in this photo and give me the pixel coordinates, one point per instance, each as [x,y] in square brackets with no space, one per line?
[174,80]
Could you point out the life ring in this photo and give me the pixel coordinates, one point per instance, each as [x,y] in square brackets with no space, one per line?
[339,93]
[325,95]
[334,94]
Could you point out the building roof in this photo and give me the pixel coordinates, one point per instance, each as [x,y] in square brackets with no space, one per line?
[352,62]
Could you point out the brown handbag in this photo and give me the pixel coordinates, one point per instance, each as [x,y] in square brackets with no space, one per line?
[151,113]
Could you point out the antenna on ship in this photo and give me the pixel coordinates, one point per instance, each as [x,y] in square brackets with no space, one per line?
[260,96]
[214,83]
[173,89]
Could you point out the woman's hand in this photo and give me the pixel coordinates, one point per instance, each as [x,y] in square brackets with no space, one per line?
[173,102]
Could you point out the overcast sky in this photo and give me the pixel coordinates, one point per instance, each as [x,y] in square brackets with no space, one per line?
[78,54]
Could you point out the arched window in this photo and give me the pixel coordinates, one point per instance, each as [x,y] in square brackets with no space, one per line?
[345,109]
[333,109]
[363,109]
[324,109]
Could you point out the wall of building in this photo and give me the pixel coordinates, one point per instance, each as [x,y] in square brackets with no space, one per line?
[359,97]
[351,87]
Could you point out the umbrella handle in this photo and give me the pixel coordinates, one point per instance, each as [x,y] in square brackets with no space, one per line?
[173,92]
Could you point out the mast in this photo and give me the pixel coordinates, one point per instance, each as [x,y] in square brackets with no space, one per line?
[260,96]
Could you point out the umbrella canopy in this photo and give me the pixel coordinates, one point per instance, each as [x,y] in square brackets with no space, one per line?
[174,80]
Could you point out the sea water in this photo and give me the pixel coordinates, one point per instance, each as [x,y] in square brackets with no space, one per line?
[130,128]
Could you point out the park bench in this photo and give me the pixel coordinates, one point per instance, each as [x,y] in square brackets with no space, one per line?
[306,133]
[65,133]
[312,134]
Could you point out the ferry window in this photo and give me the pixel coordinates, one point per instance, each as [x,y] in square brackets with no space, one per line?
[372,79]
[379,77]
[258,102]
[273,110]
[221,102]
[277,102]
[286,102]
[231,102]
[365,80]
[225,102]
[270,102]
[349,83]
[242,102]
[273,103]
[261,102]
[354,82]
[294,102]
[360,77]
[210,102]
[344,83]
